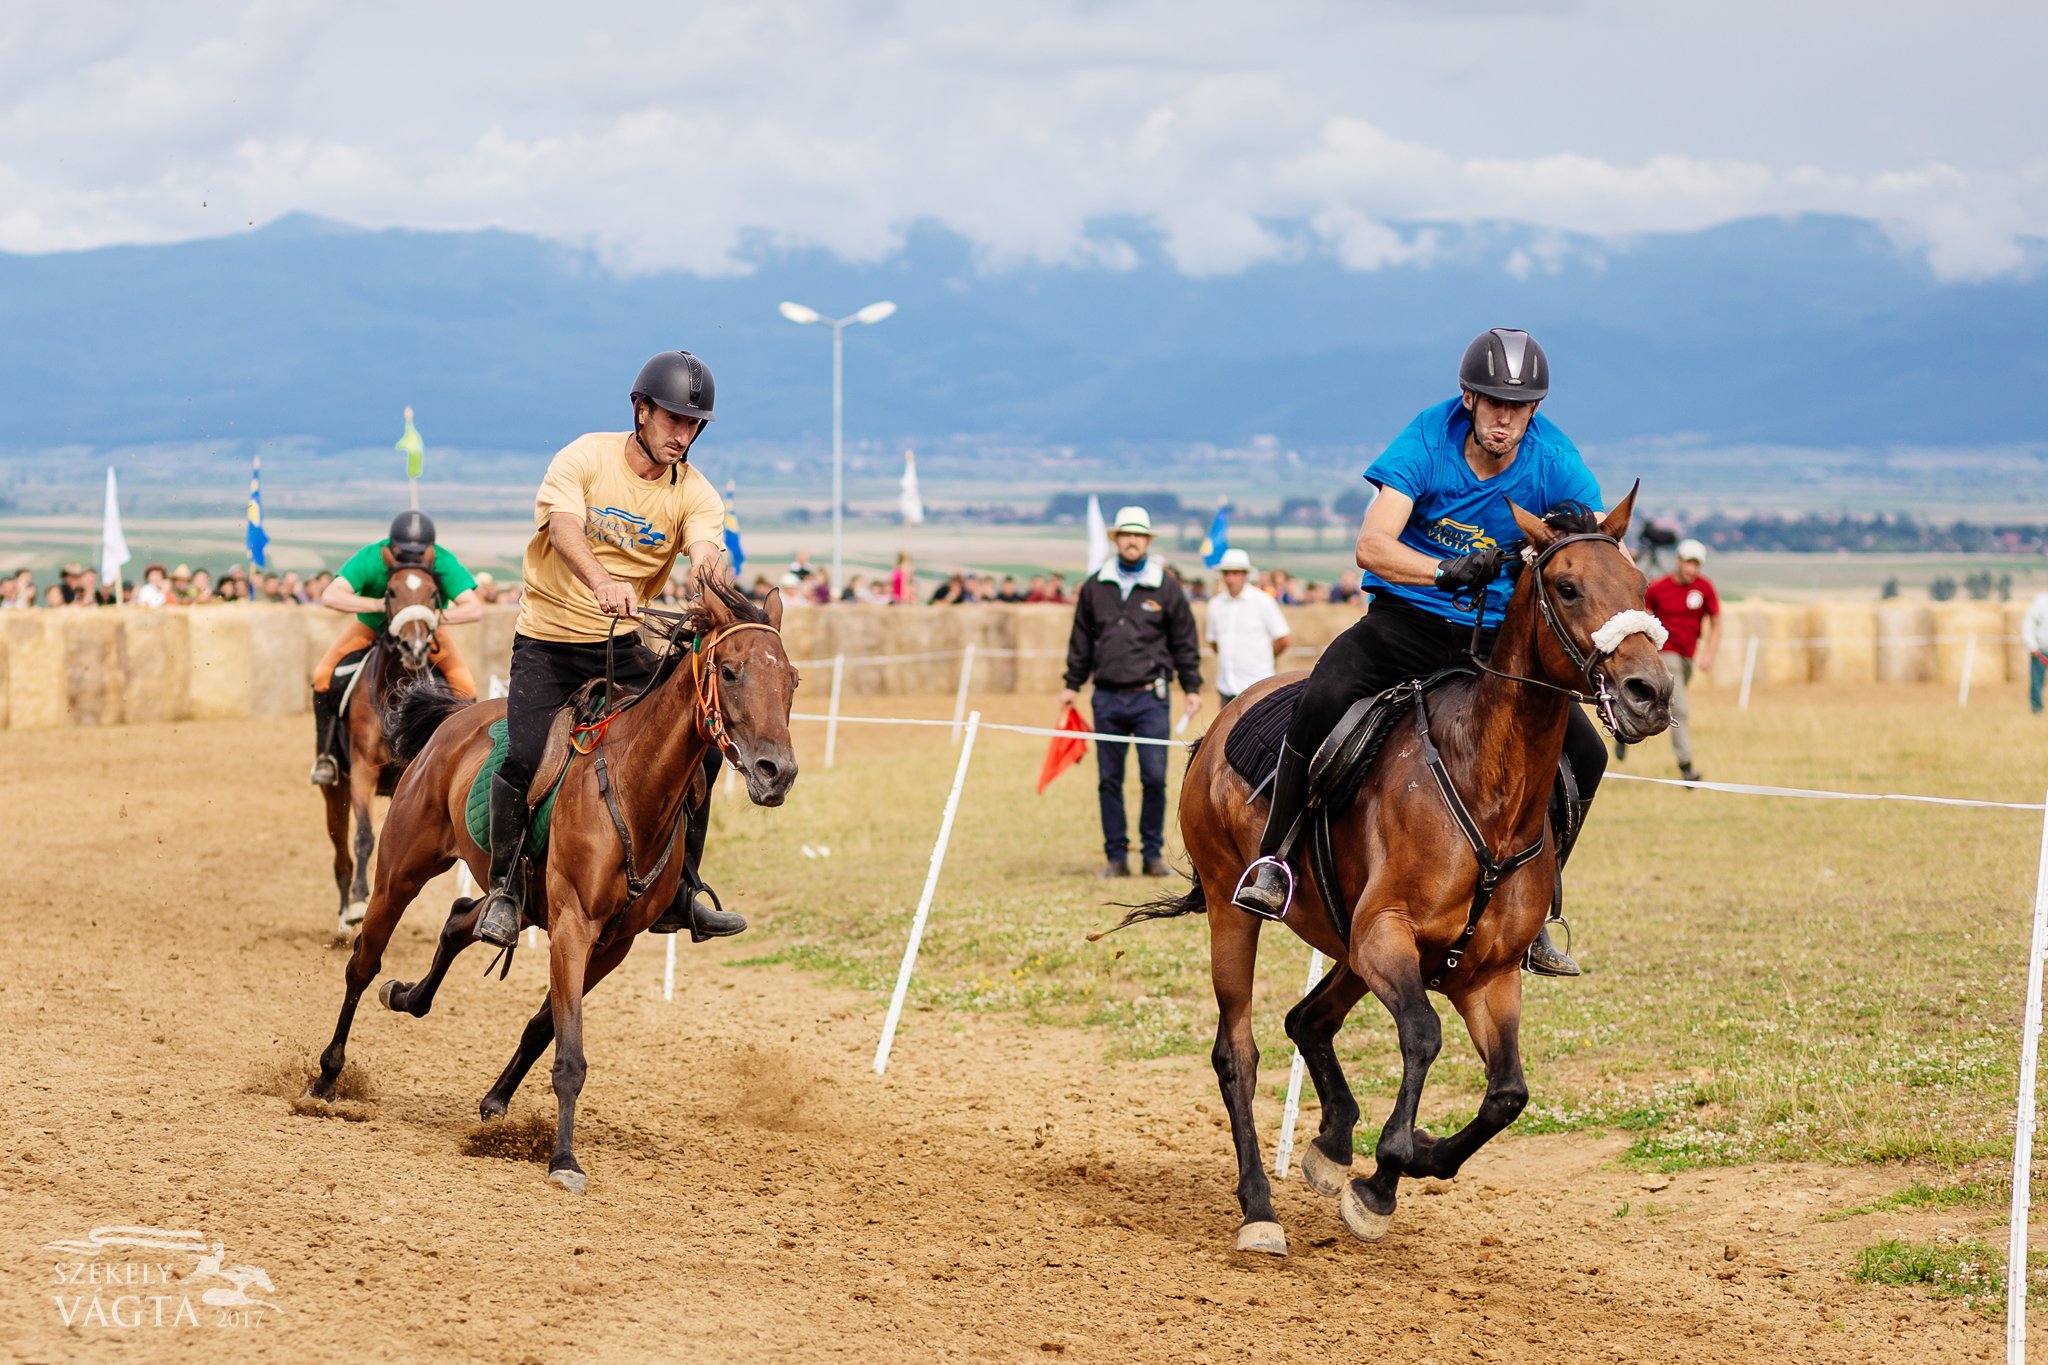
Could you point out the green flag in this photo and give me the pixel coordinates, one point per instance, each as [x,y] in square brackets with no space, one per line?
[415,449]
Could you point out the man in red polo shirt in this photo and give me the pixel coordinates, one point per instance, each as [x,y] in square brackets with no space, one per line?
[1691,612]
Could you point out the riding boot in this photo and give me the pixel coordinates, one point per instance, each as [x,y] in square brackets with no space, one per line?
[326,711]
[1546,958]
[696,905]
[499,922]
[1268,883]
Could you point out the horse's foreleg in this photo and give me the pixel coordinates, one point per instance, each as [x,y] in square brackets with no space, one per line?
[540,1031]
[570,940]
[1233,948]
[1312,1025]
[416,998]
[1493,1015]
[336,799]
[1386,960]
[362,793]
[394,894]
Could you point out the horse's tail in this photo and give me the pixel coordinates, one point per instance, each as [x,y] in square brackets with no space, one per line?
[416,712]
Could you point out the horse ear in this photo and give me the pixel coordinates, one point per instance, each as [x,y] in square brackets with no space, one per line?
[1615,523]
[1532,526]
[773,606]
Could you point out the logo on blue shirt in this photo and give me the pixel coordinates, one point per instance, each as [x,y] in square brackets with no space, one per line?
[621,529]
[1457,537]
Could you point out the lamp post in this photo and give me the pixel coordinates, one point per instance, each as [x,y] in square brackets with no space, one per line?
[801,315]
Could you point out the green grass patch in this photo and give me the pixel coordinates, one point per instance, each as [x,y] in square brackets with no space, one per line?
[1921,1195]
[1966,1270]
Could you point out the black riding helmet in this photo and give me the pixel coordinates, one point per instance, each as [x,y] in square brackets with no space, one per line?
[677,382]
[412,535]
[1506,364]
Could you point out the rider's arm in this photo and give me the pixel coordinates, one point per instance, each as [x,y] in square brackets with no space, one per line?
[465,607]
[1380,549]
[565,533]
[341,596]
[707,565]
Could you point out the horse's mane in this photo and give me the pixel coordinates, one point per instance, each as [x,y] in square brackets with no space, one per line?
[1572,517]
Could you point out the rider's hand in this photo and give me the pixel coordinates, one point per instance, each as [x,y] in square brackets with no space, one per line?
[1466,577]
[615,599]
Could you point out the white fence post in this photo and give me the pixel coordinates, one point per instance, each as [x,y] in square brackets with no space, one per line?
[832,709]
[960,697]
[1969,665]
[668,971]
[924,901]
[1293,1110]
[2023,1125]
[1748,673]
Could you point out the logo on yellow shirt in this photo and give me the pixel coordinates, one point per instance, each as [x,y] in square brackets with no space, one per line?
[1457,537]
[621,529]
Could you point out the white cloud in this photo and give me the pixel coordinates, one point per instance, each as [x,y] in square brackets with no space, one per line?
[672,138]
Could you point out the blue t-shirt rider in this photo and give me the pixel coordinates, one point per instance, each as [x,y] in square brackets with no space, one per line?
[1439,524]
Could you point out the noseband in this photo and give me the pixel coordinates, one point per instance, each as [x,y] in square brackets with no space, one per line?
[417,613]
[1604,641]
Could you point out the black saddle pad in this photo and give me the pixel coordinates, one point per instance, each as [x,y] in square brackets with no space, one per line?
[1252,747]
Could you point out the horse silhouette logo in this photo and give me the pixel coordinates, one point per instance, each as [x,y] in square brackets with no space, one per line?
[102,1300]
[621,529]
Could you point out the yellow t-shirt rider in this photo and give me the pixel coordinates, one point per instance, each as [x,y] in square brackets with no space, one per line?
[614,511]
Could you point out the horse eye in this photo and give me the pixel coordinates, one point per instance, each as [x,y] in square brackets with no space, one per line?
[725,672]
[1567,589]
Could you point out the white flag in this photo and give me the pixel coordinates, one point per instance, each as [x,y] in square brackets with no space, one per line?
[912,505]
[1099,548]
[113,545]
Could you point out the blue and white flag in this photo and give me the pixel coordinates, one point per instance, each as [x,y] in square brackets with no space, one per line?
[732,533]
[254,536]
[1218,539]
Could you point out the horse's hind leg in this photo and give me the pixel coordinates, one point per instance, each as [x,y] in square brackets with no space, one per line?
[395,891]
[336,799]
[540,1031]
[1386,961]
[1233,948]
[416,998]
[362,794]
[1312,1025]
[571,941]
[1493,1016]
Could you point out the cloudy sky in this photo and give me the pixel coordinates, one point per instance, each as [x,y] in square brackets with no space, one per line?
[683,135]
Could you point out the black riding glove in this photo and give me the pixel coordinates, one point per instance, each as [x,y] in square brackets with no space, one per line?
[1466,577]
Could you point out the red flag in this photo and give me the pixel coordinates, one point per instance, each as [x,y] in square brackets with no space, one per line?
[1062,752]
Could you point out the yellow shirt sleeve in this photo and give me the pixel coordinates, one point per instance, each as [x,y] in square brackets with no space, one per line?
[566,488]
[703,513]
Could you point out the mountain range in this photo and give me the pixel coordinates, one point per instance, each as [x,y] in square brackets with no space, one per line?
[1816,331]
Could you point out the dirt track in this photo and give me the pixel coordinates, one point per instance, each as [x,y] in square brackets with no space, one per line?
[755,1192]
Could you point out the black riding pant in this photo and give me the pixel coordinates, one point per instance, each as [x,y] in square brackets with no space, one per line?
[545,674]
[1394,642]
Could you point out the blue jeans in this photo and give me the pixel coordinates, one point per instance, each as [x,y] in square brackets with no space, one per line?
[2035,670]
[1132,713]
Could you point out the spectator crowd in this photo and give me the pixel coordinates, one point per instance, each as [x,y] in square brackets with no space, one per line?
[806,584]
[77,585]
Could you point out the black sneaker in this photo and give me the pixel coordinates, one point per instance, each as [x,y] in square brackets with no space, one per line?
[1115,867]
[1156,867]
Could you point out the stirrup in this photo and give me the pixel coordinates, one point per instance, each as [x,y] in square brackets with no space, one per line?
[1528,958]
[1287,901]
[326,772]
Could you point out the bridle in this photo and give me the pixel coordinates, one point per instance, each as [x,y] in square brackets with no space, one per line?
[1604,641]
[710,698]
[395,621]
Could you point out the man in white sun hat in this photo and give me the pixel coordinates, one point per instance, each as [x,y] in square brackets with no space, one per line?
[1245,628]
[1685,601]
[1133,633]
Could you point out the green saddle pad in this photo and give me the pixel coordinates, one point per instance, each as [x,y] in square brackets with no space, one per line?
[478,812]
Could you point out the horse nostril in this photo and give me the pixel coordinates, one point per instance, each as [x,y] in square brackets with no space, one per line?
[1639,692]
[768,768]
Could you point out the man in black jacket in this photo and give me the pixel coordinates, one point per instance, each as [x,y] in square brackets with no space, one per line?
[1133,630]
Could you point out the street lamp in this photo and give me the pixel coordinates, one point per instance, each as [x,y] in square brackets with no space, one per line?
[803,316]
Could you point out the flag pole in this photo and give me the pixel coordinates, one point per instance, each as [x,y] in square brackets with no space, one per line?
[412,480]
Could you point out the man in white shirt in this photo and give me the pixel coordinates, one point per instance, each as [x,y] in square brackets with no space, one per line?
[1245,629]
[2034,635]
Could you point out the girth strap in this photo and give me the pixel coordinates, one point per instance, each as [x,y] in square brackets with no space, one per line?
[1491,872]
[636,885]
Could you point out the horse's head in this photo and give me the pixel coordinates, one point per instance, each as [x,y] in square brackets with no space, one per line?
[746,688]
[1599,638]
[412,608]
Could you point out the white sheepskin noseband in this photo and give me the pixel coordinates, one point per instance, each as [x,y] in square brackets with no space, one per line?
[1623,624]
[415,613]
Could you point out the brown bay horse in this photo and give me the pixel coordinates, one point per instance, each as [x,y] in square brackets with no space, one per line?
[1410,875]
[401,655]
[592,890]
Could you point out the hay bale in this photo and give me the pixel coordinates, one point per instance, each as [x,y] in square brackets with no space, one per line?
[156,666]
[92,666]
[1905,649]
[1843,641]
[35,670]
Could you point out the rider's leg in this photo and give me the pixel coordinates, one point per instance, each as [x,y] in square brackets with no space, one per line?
[1585,753]
[327,703]
[693,908]
[454,668]
[1389,644]
[541,680]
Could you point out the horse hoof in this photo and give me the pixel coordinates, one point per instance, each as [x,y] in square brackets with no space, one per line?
[352,914]
[488,1109]
[1365,1225]
[1323,1175]
[1265,1238]
[566,1179]
[386,994]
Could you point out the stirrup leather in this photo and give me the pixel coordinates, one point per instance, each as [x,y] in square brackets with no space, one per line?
[1286,904]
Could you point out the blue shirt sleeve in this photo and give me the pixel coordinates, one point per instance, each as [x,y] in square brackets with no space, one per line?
[1404,465]
[1569,479]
